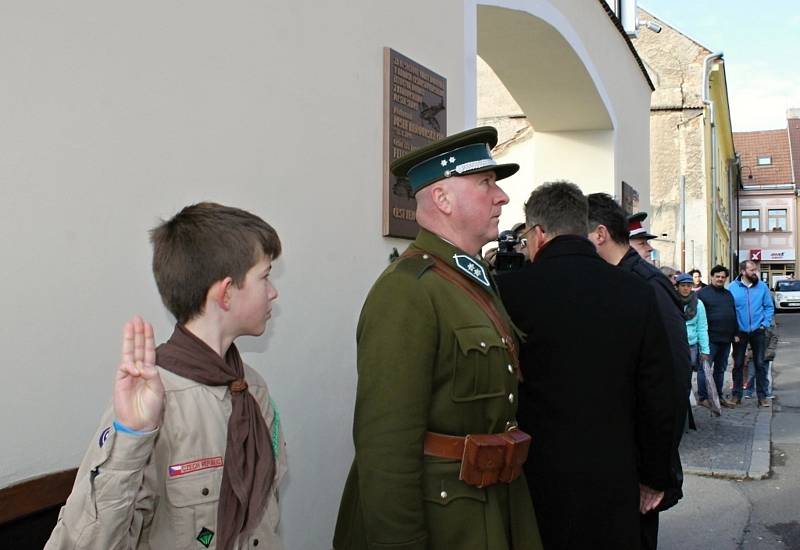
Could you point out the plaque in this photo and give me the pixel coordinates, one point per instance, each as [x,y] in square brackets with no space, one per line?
[414,115]
[630,199]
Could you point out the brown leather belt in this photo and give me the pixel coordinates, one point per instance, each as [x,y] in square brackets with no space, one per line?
[485,458]
[444,446]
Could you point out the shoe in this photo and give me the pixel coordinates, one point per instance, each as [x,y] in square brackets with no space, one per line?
[764,403]
[771,396]
[748,395]
[727,404]
[735,400]
[704,403]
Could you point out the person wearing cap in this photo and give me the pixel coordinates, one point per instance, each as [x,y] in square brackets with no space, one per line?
[694,312]
[639,237]
[609,230]
[437,362]
[585,446]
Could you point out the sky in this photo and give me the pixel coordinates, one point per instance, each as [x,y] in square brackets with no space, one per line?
[760,40]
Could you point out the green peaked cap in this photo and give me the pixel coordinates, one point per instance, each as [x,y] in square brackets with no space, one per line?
[467,152]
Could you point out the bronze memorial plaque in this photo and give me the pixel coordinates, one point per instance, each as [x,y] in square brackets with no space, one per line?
[414,115]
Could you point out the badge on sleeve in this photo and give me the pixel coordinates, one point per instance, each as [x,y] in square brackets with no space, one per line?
[472,268]
[205,536]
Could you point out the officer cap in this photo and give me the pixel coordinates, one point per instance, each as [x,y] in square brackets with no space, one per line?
[467,152]
[635,228]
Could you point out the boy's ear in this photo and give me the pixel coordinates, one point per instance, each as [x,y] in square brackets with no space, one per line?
[220,293]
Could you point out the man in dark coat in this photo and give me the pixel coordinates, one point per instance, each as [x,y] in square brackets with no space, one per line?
[722,328]
[594,365]
[609,232]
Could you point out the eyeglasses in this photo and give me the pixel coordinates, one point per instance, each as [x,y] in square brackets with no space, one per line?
[523,242]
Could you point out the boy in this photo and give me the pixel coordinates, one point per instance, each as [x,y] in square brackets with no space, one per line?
[191,453]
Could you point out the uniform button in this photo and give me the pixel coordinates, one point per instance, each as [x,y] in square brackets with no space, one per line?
[510,397]
[510,369]
[255,542]
[425,256]
[503,339]
[204,491]
[443,494]
[483,344]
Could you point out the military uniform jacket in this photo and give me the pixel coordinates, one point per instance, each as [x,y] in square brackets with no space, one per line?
[430,359]
[161,490]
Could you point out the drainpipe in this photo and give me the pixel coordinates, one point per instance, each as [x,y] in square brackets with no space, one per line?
[734,214]
[715,57]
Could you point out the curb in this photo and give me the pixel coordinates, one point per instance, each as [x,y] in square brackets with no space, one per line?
[762,435]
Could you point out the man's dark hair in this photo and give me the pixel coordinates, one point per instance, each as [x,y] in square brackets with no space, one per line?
[695,270]
[203,244]
[743,264]
[719,269]
[604,210]
[559,208]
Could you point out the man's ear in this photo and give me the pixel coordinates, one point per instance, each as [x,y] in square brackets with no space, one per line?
[220,294]
[601,235]
[441,198]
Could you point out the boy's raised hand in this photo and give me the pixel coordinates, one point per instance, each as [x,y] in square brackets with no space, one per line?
[138,391]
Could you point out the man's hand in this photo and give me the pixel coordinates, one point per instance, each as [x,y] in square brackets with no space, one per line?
[138,392]
[649,498]
[704,357]
[735,339]
[490,256]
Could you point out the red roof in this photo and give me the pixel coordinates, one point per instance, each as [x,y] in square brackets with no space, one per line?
[765,143]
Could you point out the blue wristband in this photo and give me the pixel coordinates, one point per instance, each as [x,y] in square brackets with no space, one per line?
[122,428]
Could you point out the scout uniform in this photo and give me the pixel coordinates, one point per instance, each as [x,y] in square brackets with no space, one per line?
[161,490]
[436,362]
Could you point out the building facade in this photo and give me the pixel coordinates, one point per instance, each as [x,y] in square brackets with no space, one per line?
[692,157]
[767,202]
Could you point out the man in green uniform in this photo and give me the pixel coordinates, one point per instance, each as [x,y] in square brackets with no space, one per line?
[437,362]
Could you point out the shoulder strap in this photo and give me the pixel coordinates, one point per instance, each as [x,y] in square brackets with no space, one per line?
[481,298]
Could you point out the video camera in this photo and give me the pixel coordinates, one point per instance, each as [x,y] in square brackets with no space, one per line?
[507,258]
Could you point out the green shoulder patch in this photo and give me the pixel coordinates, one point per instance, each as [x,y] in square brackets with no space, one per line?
[205,537]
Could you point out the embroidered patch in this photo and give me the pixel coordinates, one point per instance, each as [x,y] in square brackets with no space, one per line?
[205,537]
[184,468]
[472,268]
[104,436]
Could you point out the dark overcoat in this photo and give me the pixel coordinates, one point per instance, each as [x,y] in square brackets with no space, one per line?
[670,310]
[595,365]
[430,359]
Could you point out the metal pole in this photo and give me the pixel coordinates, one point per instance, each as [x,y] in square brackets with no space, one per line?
[682,213]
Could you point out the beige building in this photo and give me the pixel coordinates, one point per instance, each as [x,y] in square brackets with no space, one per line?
[116,115]
[692,158]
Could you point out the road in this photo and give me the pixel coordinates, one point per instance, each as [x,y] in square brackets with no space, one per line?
[727,514]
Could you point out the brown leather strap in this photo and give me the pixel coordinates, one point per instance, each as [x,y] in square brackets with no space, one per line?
[444,446]
[481,298]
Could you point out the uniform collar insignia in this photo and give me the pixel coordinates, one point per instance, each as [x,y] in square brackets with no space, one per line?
[473,268]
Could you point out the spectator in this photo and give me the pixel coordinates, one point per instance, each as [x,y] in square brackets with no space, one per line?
[697,279]
[722,327]
[608,233]
[596,463]
[696,329]
[754,313]
[639,237]
[670,273]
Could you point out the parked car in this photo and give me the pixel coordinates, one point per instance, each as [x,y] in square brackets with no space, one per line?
[787,294]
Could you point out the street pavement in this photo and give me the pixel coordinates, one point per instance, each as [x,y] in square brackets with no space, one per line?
[742,488]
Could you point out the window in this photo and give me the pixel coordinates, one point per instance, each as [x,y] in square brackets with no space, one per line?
[750,220]
[764,160]
[776,220]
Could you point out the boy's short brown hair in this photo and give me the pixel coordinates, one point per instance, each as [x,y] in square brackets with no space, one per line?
[203,244]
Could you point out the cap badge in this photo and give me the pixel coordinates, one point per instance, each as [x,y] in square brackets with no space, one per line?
[472,268]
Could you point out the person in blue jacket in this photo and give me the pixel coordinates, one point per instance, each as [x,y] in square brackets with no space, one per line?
[696,326]
[754,313]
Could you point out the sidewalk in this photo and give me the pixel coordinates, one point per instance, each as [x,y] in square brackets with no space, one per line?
[735,445]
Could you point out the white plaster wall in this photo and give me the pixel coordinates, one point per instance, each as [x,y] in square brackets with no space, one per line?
[114,115]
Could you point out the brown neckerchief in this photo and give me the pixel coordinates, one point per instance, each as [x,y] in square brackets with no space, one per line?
[249,465]
[448,273]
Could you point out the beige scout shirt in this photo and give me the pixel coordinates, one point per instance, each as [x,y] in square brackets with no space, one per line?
[160,491]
